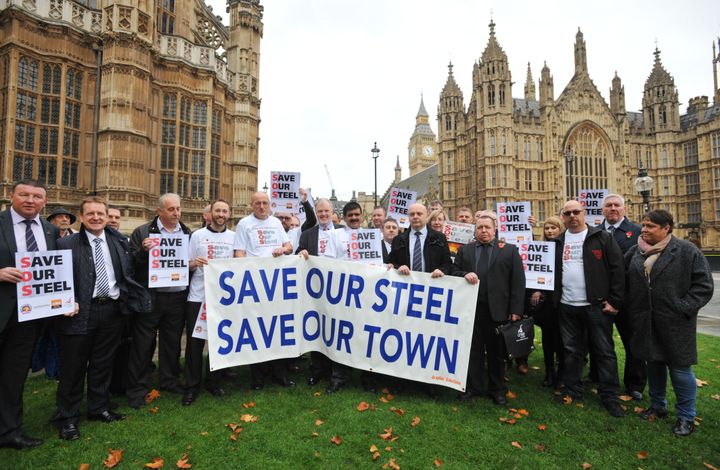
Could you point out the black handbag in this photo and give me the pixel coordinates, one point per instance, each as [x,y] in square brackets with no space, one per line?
[518,336]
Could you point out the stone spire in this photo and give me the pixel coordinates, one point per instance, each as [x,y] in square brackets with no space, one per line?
[547,94]
[617,96]
[398,171]
[661,107]
[493,51]
[529,85]
[580,54]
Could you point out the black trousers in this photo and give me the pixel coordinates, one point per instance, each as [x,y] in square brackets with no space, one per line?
[17,341]
[118,384]
[320,365]
[547,319]
[167,319]
[635,374]
[194,348]
[93,354]
[486,343]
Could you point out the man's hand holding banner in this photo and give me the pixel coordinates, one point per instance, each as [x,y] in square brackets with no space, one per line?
[412,326]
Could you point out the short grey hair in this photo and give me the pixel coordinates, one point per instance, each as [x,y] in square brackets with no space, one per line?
[165,197]
[614,196]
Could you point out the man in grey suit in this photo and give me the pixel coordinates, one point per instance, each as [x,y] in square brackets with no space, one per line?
[21,229]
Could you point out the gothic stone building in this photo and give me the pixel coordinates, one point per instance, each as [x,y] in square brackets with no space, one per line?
[129,99]
[499,148]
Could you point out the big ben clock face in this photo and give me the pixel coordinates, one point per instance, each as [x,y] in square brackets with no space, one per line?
[428,151]
[412,152]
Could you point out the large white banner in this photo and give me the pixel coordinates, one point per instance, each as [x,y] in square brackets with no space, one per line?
[366,317]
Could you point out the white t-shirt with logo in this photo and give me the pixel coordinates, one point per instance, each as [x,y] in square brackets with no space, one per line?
[258,238]
[574,291]
[326,240]
[209,245]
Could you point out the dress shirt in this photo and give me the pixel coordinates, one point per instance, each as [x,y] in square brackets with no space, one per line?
[19,228]
[423,235]
[112,281]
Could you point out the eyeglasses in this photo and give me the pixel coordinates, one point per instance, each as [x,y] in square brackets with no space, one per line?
[575,212]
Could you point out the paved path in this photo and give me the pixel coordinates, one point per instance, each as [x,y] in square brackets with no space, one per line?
[709,315]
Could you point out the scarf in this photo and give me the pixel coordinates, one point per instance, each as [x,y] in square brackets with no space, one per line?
[652,252]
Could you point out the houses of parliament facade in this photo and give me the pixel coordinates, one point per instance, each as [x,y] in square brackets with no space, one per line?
[130,99]
[545,148]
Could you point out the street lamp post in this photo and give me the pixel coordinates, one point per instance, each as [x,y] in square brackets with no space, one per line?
[376,153]
[265,188]
[643,185]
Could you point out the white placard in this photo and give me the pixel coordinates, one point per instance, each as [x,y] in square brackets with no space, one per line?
[458,234]
[365,246]
[47,288]
[168,260]
[539,262]
[200,330]
[513,224]
[400,202]
[284,191]
[591,200]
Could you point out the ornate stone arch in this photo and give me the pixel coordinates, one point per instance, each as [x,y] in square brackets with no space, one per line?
[587,152]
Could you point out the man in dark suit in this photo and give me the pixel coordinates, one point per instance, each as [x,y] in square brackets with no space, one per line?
[316,241]
[497,267]
[423,249]
[625,233]
[390,231]
[21,229]
[105,292]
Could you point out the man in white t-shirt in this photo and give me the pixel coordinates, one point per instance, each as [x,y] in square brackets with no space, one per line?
[593,283]
[214,241]
[262,235]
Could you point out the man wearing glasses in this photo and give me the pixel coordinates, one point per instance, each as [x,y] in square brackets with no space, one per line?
[593,281]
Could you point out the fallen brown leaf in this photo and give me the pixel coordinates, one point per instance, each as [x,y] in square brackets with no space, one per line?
[337,440]
[248,418]
[541,427]
[580,405]
[184,462]
[387,435]
[315,434]
[392,465]
[707,465]
[114,458]
[454,409]
[438,463]
[523,412]
[383,399]
[362,406]
[642,455]
[539,447]
[84,466]
[516,444]
[152,396]
[625,397]
[715,397]
[586,466]
[375,456]
[373,448]
[534,367]
[319,422]
[567,399]
[249,405]
[638,409]
[233,426]
[388,449]
[157,462]
[204,433]
[397,411]
[510,394]
[154,410]
[700,383]
[415,421]
[317,394]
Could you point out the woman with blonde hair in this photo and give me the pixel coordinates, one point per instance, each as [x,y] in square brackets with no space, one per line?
[436,220]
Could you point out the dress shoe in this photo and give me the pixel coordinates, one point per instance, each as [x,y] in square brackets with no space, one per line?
[333,387]
[614,408]
[499,399]
[106,416]
[683,427]
[69,432]
[216,391]
[21,442]
[653,412]
[636,395]
[283,382]
[188,398]
[467,396]
[522,369]
[312,380]
[173,388]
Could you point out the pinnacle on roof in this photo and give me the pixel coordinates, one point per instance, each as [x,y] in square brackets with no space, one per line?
[451,87]
[529,78]
[397,163]
[659,76]
[616,80]
[493,51]
[422,112]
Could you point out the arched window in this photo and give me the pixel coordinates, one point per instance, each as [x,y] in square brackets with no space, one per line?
[586,166]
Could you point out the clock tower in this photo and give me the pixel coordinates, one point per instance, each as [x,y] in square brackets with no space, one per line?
[422,148]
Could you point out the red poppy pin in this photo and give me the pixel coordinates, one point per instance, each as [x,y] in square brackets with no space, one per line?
[629,234]
[598,254]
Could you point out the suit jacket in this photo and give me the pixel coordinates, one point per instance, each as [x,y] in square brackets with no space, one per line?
[626,234]
[8,248]
[505,278]
[436,253]
[309,240]
[84,275]
[385,253]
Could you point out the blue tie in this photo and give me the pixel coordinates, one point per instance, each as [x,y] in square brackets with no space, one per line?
[417,254]
[30,242]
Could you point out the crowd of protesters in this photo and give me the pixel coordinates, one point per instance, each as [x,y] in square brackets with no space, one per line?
[110,340]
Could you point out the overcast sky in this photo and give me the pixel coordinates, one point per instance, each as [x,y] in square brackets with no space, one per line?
[338,75]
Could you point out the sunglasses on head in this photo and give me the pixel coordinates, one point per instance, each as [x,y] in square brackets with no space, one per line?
[572,212]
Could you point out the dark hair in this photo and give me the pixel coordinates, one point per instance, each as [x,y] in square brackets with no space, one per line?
[661,217]
[220,200]
[351,206]
[29,182]
[90,200]
[390,220]
[380,207]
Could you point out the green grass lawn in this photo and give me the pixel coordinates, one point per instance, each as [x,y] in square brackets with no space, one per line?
[287,433]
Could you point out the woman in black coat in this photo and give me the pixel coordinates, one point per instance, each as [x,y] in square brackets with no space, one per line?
[668,281]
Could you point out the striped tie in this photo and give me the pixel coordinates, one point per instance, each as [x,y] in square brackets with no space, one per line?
[30,242]
[417,254]
[102,285]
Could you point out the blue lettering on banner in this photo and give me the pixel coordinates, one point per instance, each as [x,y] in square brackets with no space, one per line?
[247,288]
[382,298]
[354,285]
[226,300]
[308,315]
[224,336]
[415,300]
[445,359]
[269,289]
[288,283]
[245,336]
[287,329]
